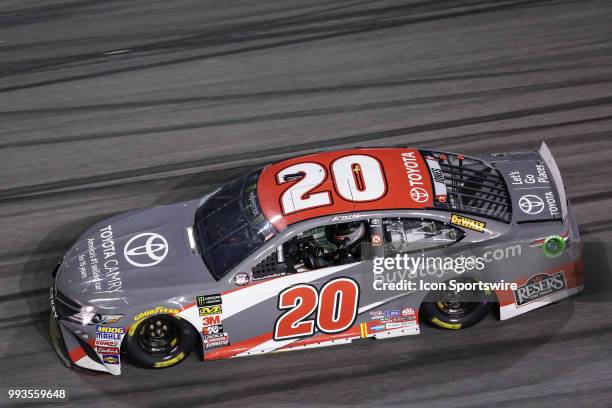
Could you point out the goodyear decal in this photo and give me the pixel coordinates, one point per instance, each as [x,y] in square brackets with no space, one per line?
[157,310]
[171,361]
[451,326]
[468,223]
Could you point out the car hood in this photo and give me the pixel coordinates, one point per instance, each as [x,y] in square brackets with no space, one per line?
[134,258]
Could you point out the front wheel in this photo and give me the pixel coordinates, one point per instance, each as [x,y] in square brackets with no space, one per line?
[453,310]
[160,341]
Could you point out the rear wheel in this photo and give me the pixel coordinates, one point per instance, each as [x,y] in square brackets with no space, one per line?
[453,310]
[160,341]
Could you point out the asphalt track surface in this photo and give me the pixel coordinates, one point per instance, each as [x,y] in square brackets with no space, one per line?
[111,105]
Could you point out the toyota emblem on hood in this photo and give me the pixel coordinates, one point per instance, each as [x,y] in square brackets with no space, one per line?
[146,249]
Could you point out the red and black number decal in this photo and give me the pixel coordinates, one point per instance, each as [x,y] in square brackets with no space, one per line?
[336,306]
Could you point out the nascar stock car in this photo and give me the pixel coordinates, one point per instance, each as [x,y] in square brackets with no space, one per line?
[286,258]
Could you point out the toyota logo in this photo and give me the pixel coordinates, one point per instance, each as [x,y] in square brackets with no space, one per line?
[146,249]
[531,204]
[419,194]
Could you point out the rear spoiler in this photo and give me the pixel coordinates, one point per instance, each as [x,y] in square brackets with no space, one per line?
[556,175]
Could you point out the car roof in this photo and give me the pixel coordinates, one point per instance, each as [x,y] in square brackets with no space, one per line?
[343,181]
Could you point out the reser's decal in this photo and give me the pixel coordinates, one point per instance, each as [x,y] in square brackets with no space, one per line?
[539,286]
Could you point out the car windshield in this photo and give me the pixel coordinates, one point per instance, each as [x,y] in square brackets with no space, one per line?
[230,225]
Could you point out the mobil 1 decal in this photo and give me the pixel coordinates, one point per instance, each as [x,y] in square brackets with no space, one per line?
[534,196]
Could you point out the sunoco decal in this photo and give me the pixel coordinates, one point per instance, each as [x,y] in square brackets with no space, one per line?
[539,286]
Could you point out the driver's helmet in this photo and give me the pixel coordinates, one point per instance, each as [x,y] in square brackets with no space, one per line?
[346,235]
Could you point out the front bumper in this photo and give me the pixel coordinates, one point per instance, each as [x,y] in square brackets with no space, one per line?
[76,345]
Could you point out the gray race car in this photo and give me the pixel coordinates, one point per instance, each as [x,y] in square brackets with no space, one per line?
[319,250]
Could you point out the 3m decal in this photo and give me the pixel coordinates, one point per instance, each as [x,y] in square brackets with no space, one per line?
[539,286]
[336,306]
[210,320]
[468,223]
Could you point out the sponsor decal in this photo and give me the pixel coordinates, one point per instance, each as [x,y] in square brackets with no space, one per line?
[110,359]
[377,328]
[242,278]
[106,343]
[376,240]
[392,313]
[105,329]
[212,341]
[209,310]
[107,350]
[438,178]
[346,217]
[211,320]
[419,194]
[251,206]
[539,286]
[551,203]
[415,177]
[394,325]
[52,300]
[396,319]
[170,362]
[377,315]
[209,300]
[157,310]
[408,312]
[109,333]
[468,223]
[146,249]
[108,336]
[100,264]
[531,204]
[214,329]
[376,221]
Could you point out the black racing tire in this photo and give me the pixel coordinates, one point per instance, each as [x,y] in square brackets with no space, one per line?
[454,314]
[160,341]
